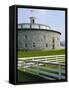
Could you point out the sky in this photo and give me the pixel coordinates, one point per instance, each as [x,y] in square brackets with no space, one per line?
[53,18]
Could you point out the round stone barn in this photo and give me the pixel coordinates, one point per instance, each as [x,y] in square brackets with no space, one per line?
[35,36]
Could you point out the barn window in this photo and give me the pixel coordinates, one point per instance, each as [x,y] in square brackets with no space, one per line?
[46,45]
[44,37]
[25,37]
[53,46]
[26,45]
[33,44]
[53,40]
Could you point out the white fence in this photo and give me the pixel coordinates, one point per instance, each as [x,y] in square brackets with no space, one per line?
[48,67]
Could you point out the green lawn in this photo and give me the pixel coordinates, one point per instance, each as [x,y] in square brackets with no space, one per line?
[25,77]
[32,53]
[32,76]
[45,70]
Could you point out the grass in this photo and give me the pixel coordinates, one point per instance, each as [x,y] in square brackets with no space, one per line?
[32,76]
[49,71]
[27,77]
[48,66]
[32,53]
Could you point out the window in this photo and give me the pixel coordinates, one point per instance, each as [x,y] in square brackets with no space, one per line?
[33,44]
[34,26]
[44,37]
[26,26]
[46,45]
[42,27]
[25,36]
[26,45]
[53,46]
[53,40]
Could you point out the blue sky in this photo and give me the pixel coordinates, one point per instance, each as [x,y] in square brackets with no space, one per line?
[53,18]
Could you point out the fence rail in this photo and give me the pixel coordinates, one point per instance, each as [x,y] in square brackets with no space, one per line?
[48,67]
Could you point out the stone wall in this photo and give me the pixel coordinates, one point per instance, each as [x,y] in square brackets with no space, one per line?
[36,39]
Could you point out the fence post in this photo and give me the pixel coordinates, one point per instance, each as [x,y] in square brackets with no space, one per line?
[46,60]
[59,71]
[24,65]
[32,59]
[37,68]
[57,59]
[59,67]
